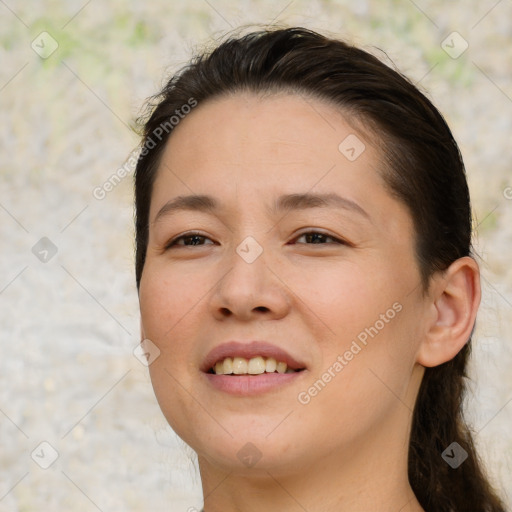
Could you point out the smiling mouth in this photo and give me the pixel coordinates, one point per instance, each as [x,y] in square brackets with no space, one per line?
[254,366]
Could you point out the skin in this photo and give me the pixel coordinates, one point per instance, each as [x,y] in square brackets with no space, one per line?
[345,450]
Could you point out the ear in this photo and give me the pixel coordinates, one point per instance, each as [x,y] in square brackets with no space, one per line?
[453,301]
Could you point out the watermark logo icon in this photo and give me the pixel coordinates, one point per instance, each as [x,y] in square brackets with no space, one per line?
[146,352]
[44,250]
[249,250]
[249,455]
[44,455]
[44,45]
[454,45]
[351,147]
[454,455]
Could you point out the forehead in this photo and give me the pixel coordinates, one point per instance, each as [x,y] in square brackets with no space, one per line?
[245,147]
[280,124]
[285,137]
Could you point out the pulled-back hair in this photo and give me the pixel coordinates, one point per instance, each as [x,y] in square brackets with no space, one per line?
[421,166]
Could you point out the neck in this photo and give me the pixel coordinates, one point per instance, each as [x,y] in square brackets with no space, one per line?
[359,477]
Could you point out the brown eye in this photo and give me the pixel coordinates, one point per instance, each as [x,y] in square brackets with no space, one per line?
[317,238]
[189,240]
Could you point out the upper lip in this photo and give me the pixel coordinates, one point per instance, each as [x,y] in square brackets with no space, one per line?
[248,350]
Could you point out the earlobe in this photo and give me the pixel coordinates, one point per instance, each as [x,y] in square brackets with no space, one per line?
[455,297]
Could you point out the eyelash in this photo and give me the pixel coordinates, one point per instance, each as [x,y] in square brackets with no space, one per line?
[191,234]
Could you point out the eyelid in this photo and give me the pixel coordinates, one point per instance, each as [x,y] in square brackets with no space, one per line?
[319,231]
[172,241]
[307,231]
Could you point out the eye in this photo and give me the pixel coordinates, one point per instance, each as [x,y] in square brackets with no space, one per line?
[317,237]
[189,239]
[193,239]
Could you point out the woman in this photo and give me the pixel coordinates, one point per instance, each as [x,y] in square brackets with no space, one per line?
[306,285]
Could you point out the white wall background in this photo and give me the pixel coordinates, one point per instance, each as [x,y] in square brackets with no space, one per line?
[69,326]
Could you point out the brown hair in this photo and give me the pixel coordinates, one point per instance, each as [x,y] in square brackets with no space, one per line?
[423,168]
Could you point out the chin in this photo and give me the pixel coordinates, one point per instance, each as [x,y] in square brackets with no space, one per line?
[254,443]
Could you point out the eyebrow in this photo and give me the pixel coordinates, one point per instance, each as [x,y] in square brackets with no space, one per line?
[198,203]
[290,202]
[283,204]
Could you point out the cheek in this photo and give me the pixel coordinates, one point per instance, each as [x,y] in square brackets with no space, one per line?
[166,298]
[166,301]
[354,300]
[362,385]
[169,302]
[373,335]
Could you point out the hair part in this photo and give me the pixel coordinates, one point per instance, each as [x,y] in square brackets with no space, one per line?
[422,168]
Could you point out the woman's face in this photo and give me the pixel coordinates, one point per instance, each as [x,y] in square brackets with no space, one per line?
[343,304]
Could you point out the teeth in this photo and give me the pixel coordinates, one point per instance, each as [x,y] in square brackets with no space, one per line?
[270,365]
[281,367]
[254,366]
[228,366]
[239,365]
[219,368]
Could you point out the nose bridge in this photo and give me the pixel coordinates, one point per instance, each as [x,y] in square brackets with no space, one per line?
[250,286]
[249,250]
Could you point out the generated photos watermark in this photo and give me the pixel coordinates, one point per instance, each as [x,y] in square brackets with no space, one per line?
[130,164]
[361,341]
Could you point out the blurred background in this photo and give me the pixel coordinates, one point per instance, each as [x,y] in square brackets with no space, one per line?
[80,429]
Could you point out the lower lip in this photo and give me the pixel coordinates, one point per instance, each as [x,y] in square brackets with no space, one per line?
[247,385]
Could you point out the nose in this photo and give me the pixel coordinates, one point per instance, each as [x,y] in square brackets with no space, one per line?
[250,291]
